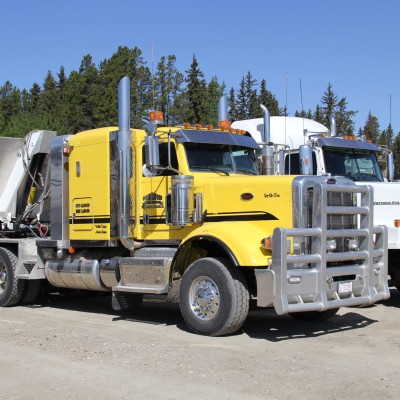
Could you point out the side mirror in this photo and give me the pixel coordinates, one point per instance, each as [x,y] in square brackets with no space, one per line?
[281,162]
[305,154]
[152,152]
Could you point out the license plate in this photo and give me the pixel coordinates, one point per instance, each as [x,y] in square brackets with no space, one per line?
[345,287]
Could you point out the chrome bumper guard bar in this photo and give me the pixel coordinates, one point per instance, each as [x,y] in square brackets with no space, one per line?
[304,282]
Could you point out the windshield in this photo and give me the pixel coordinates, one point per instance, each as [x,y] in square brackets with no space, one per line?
[221,158]
[356,164]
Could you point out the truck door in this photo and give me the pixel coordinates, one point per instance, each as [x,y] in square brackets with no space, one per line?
[153,190]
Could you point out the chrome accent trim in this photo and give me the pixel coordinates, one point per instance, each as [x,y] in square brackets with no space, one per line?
[78,273]
[182,200]
[144,275]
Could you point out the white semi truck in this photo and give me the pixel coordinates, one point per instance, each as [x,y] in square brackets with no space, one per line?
[294,145]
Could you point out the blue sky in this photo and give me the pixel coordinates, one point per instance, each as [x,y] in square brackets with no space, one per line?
[352,44]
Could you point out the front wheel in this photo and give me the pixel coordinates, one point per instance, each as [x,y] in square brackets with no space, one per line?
[214,299]
[11,288]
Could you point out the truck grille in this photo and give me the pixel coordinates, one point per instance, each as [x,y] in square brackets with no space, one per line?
[334,221]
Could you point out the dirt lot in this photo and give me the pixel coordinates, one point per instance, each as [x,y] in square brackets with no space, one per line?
[76,347]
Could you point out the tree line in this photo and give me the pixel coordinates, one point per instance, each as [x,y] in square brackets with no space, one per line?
[87,98]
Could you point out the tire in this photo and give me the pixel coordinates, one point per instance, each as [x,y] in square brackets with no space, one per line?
[31,291]
[214,299]
[11,288]
[315,315]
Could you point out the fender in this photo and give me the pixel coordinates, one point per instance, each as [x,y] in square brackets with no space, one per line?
[241,240]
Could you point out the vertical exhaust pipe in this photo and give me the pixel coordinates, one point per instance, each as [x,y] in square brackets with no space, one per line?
[332,123]
[125,163]
[222,109]
[267,149]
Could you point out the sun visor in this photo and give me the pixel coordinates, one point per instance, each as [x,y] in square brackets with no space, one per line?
[352,144]
[197,136]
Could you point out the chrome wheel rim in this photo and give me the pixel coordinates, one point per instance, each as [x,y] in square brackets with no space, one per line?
[204,298]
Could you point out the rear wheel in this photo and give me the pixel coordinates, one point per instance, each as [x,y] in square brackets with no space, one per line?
[315,315]
[214,299]
[11,288]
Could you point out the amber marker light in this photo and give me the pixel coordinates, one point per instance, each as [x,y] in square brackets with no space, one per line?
[156,116]
[186,125]
[267,243]
[199,126]
[224,125]
[397,223]
[210,127]
[71,250]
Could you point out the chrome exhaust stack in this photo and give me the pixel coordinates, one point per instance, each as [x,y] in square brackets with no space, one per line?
[332,123]
[125,164]
[267,148]
[222,109]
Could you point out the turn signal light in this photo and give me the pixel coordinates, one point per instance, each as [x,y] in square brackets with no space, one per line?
[397,223]
[267,243]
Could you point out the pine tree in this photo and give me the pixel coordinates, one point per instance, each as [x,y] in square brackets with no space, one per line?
[253,106]
[344,118]
[168,86]
[386,137]
[61,78]
[371,128]
[10,101]
[396,152]
[125,62]
[318,114]
[196,92]
[232,110]
[268,100]
[34,96]
[48,98]
[329,103]
[241,101]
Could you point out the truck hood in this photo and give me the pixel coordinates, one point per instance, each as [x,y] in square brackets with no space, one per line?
[248,198]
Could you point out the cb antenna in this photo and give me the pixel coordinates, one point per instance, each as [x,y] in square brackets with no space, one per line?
[301,97]
[302,107]
[152,74]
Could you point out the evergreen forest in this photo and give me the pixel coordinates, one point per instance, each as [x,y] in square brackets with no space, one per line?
[87,98]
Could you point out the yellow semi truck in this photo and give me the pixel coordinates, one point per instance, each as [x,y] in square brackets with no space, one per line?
[182,213]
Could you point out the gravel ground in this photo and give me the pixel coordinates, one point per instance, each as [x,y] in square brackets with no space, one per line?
[76,347]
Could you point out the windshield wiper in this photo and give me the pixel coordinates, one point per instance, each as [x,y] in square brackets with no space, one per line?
[216,170]
[246,171]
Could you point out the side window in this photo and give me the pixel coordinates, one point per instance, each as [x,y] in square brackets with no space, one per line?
[164,159]
[294,160]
